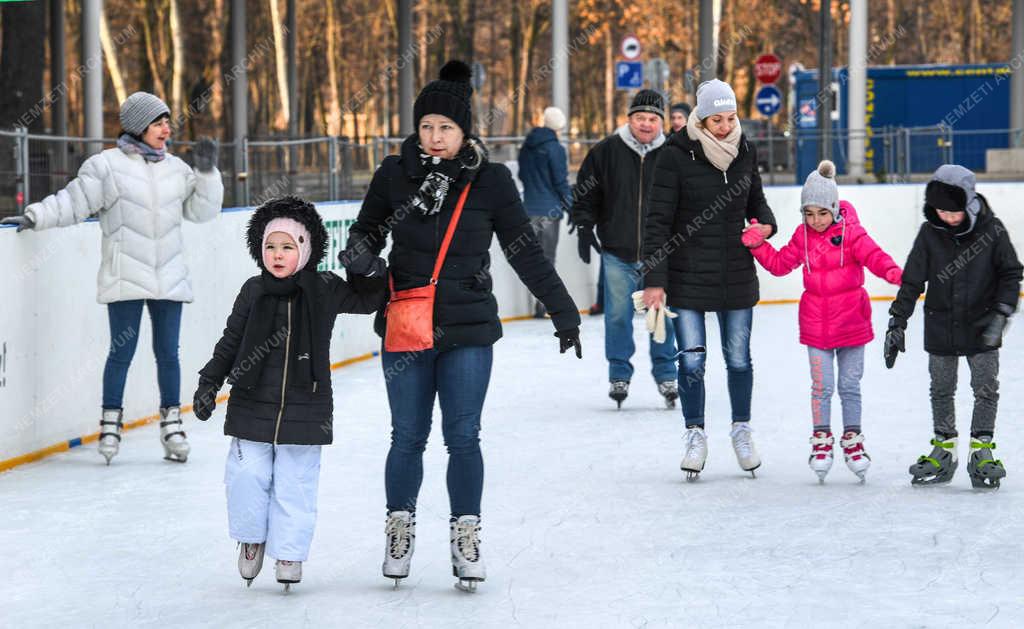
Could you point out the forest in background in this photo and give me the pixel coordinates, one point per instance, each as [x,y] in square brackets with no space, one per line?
[348,54]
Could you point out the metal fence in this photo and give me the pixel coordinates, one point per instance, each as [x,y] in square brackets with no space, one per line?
[330,168]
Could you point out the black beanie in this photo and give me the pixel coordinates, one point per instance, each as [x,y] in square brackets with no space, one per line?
[648,101]
[449,96]
[945,197]
[683,107]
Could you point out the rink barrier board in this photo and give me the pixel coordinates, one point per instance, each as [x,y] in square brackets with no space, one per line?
[48,397]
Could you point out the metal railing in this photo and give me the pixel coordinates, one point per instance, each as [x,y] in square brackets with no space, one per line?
[332,168]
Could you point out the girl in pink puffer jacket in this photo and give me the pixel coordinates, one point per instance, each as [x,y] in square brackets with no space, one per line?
[835,311]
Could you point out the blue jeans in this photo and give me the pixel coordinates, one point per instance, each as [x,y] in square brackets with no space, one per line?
[459,379]
[735,329]
[124,317]
[621,280]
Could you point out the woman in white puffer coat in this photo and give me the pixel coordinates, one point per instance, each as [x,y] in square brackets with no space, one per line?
[140,194]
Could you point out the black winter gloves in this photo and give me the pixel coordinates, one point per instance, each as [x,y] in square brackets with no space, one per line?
[568,339]
[992,336]
[205,399]
[587,240]
[205,155]
[894,340]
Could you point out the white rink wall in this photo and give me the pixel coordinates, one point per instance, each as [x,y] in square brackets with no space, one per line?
[54,336]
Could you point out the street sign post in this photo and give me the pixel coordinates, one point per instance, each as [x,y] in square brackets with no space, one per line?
[629,75]
[767,69]
[768,100]
[630,48]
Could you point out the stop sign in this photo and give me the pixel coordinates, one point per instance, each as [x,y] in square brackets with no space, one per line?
[767,69]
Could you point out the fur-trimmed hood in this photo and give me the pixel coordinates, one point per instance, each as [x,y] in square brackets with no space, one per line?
[293,208]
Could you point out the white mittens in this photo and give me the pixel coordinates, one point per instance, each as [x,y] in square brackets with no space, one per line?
[655,317]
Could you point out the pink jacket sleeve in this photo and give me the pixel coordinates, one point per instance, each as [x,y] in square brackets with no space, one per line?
[784,260]
[867,253]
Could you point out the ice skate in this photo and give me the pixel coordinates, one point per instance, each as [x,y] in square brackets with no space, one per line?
[938,467]
[853,453]
[695,452]
[250,561]
[670,391]
[110,433]
[467,566]
[401,541]
[172,436]
[743,444]
[618,390]
[288,572]
[985,472]
[821,454]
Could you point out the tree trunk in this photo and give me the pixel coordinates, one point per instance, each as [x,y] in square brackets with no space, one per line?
[110,53]
[890,29]
[609,80]
[150,45]
[22,56]
[283,114]
[332,96]
[178,62]
[214,73]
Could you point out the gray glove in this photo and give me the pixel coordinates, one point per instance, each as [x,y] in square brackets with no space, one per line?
[992,335]
[23,222]
[205,154]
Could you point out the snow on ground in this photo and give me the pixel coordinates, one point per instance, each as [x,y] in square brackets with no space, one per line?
[587,519]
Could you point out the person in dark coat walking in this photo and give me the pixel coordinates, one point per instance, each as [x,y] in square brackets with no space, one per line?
[611,198]
[544,171]
[275,354]
[963,254]
[705,190]
[678,115]
[413,197]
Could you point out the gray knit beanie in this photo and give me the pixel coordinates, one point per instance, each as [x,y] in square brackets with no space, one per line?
[821,190]
[714,97]
[139,110]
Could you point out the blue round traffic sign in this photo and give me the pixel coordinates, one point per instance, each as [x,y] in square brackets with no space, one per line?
[768,100]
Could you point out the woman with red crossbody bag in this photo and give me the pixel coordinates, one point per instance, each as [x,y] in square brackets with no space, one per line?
[442,202]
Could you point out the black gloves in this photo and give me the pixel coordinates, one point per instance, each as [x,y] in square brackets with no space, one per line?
[569,338]
[205,155]
[362,262]
[205,399]
[992,336]
[894,340]
[23,223]
[587,239]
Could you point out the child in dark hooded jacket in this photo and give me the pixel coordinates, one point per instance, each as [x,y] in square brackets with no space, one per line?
[964,255]
[275,354]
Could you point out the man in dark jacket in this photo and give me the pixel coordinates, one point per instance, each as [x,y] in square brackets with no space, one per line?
[544,171]
[611,196]
[973,276]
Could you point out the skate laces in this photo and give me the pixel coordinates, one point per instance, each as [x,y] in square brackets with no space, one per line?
[741,439]
[399,536]
[467,539]
[250,551]
[853,443]
[694,439]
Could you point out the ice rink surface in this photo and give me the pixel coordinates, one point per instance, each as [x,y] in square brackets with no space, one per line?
[587,520]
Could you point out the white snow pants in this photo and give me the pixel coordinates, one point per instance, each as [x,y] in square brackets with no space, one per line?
[271,495]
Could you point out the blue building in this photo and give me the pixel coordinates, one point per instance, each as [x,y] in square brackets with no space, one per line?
[955,114]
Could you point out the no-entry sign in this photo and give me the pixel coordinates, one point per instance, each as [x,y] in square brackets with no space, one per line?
[767,69]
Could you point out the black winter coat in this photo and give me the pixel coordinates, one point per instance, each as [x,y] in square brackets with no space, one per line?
[966,276]
[610,194]
[696,217]
[464,308]
[302,415]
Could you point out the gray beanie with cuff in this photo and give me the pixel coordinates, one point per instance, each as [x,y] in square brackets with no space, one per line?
[714,97]
[139,110]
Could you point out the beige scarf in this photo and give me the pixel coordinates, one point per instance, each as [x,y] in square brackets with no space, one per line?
[720,153]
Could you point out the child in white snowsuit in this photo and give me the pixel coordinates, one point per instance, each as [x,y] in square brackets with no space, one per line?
[275,354]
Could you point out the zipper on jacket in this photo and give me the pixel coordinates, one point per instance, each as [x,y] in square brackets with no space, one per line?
[692,156]
[284,376]
[725,176]
[640,212]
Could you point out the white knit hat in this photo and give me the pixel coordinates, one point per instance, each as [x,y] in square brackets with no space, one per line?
[821,190]
[554,118]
